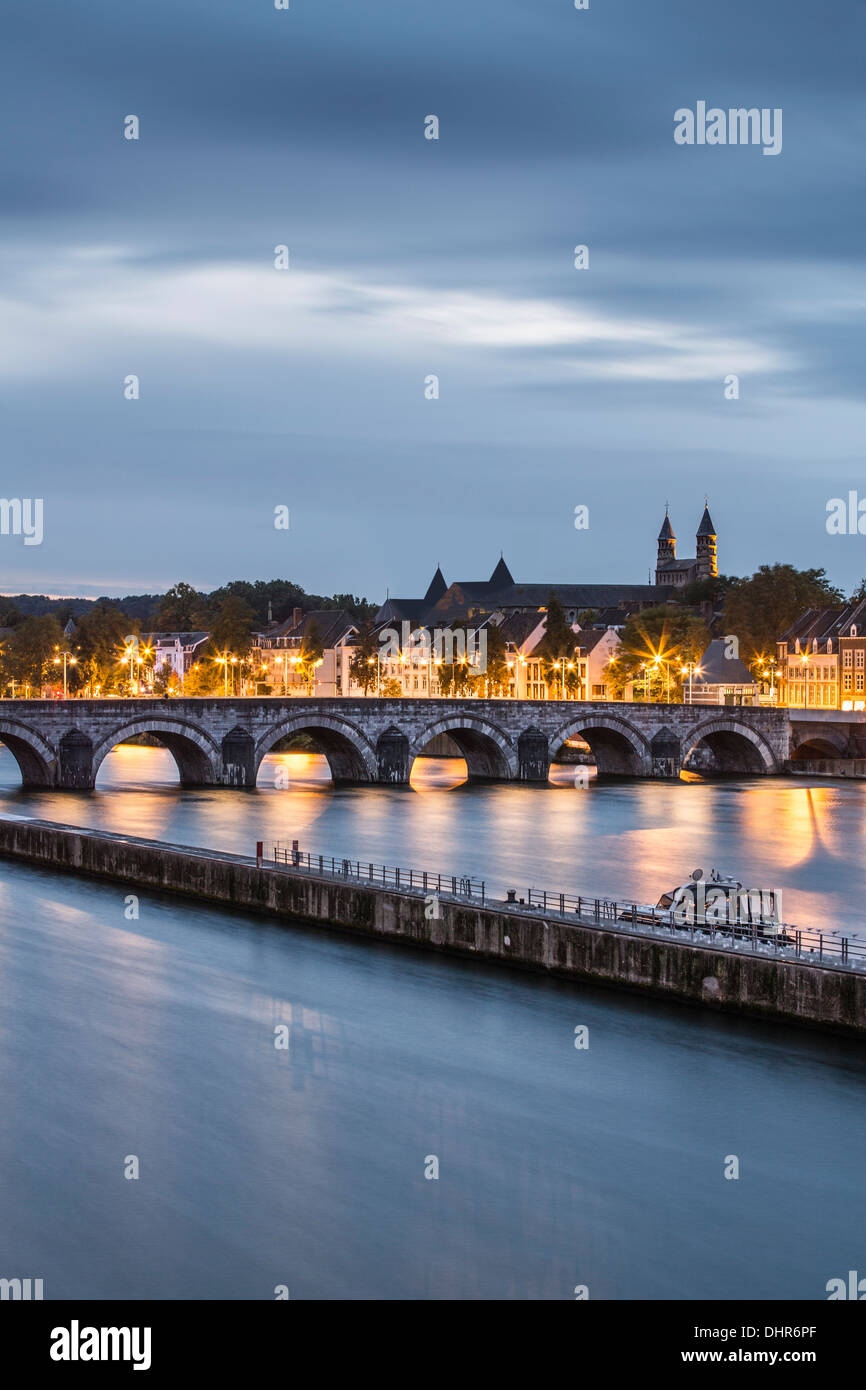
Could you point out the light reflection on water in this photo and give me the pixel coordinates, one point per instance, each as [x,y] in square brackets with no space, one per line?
[625,840]
[259,1167]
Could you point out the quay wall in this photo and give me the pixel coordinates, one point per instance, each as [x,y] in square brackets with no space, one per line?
[818,996]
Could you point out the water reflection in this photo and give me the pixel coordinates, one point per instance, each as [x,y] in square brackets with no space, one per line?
[627,839]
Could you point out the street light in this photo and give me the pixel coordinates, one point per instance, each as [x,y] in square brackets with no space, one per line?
[223,661]
[691,668]
[65,656]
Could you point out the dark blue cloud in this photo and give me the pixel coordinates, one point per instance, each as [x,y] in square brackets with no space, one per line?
[306,127]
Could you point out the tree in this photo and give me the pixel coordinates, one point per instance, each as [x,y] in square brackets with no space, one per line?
[203,678]
[29,651]
[100,639]
[759,608]
[710,590]
[655,645]
[165,681]
[230,631]
[391,688]
[182,609]
[496,676]
[310,655]
[364,665]
[556,648]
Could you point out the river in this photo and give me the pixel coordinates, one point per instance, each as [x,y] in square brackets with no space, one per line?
[154,1038]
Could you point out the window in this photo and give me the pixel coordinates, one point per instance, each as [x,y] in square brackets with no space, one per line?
[846,683]
[847,657]
[858,658]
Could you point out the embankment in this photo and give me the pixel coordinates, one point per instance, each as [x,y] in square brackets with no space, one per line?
[786,990]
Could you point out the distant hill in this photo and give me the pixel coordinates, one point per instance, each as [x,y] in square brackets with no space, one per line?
[268,598]
[141,606]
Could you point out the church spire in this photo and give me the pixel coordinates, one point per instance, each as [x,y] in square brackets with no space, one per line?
[707,558]
[667,542]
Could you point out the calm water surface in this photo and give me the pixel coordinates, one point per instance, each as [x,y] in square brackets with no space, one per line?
[260,1167]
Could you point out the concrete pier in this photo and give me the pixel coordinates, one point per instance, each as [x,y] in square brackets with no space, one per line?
[789,991]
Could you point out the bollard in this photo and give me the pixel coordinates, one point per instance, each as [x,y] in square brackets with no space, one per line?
[511,895]
[260,853]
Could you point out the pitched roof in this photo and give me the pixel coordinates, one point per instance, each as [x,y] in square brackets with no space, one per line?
[667,531]
[501,576]
[671,566]
[519,627]
[719,669]
[331,624]
[436,588]
[706,527]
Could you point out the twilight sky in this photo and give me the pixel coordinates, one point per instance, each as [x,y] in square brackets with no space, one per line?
[411,257]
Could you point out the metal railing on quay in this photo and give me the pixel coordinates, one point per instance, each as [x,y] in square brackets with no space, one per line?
[382,875]
[812,946]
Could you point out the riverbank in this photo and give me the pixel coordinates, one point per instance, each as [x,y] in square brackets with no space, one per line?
[757,985]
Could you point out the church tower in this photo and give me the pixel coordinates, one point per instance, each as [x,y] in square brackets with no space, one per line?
[708,566]
[667,543]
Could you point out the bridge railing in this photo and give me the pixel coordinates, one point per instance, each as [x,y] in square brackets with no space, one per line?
[290,855]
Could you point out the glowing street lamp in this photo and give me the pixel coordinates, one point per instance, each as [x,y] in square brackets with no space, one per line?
[64,657]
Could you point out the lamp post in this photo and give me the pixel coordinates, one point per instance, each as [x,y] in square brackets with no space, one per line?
[65,656]
[223,661]
[690,668]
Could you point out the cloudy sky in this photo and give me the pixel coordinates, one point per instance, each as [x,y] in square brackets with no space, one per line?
[305,388]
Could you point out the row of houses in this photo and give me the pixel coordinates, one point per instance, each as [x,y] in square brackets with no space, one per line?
[408,661]
[822,659]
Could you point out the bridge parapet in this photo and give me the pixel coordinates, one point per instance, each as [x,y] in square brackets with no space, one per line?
[221,742]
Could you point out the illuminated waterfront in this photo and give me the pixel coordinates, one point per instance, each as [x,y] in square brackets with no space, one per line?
[154,1037]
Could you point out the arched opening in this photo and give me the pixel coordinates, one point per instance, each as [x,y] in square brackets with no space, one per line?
[313,754]
[724,752]
[484,750]
[27,757]
[612,748]
[156,753]
[814,748]
[439,766]
[573,763]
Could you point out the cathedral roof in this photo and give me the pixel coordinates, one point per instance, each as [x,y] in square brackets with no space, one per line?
[436,587]
[667,531]
[706,527]
[501,576]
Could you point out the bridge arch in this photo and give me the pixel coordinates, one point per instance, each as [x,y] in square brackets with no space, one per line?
[620,750]
[818,742]
[350,754]
[488,752]
[36,759]
[733,744]
[197,755]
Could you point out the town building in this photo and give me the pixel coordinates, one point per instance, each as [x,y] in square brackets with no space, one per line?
[175,652]
[277,654]
[822,659]
[720,678]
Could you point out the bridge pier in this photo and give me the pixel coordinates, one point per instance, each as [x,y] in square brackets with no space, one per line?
[239,760]
[392,756]
[74,767]
[533,756]
[667,758]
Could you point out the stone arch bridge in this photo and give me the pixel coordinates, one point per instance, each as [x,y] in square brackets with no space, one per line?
[221,742]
